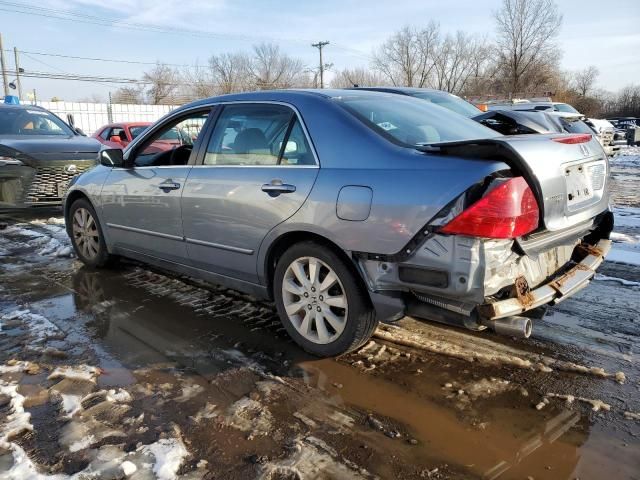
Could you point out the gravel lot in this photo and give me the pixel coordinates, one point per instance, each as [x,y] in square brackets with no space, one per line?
[133,373]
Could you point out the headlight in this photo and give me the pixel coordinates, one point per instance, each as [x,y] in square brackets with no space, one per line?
[5,161]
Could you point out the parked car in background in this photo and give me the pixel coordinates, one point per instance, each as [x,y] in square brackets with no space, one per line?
[119,135]
[39,155]
[350,207]
[606,134]
[535,106]
[507,122]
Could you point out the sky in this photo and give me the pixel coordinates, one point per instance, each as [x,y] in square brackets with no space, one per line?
[594,32]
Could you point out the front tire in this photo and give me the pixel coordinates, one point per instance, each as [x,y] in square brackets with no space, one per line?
[86,235]
[321,301]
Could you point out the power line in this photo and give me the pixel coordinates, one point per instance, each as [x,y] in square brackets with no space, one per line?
[97,59]
[30,9]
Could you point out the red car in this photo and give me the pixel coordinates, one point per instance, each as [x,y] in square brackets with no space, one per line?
[119,135]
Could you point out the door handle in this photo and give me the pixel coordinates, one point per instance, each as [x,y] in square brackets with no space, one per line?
[276,187]
[168,185]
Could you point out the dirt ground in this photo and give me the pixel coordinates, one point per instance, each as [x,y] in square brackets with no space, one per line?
[132,373]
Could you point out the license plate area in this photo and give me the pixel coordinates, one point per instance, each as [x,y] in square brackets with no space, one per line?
[62,188]
[579,185]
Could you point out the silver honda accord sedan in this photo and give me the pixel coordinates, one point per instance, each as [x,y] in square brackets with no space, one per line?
[348,208]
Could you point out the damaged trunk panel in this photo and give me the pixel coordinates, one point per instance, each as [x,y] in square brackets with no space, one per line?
[465,280]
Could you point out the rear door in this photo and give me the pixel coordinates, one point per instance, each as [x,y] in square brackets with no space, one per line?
[257,171]
[141,205]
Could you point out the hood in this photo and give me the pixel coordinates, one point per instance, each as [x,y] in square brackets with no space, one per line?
[47,147]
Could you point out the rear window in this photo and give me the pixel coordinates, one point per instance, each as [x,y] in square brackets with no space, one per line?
[563,107]
[575,126]
[411,121]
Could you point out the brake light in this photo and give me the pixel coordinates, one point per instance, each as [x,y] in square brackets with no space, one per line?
[509,210]
[573,139]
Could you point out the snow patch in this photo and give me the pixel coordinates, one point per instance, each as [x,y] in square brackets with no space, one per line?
[169,454]
[76,372]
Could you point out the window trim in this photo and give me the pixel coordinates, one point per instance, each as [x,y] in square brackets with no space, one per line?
[296,113]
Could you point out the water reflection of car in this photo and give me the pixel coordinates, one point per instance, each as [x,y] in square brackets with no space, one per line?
[39,155]
[119,135]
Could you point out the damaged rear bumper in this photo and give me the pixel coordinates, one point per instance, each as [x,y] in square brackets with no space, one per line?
[553,292]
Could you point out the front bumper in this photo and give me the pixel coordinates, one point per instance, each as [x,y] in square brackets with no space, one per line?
[553,292]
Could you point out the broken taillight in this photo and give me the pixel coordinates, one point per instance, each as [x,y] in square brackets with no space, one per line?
[509,210]
[572,139]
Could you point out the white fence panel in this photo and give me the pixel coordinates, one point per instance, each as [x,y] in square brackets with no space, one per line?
[91,116]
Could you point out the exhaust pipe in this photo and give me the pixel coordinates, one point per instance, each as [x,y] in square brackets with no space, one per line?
[520,327]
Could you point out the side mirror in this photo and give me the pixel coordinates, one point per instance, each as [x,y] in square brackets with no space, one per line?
[115,139]
[112,157]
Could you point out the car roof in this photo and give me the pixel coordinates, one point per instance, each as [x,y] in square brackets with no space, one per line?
[283,95]
[404,90]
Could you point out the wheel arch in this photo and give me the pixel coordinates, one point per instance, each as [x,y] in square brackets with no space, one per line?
[286,240]
[72,196]
[75,195]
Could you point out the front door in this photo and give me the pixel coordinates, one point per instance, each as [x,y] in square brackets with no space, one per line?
[142,204]
[257,171]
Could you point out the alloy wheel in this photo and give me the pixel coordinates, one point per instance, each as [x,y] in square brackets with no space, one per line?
[85,233]
[315,300]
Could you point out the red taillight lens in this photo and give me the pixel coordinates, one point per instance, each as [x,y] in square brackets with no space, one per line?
[573,139]
[509,210]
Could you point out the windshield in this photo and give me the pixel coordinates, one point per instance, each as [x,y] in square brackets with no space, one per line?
[411,121]
[563,107]
[31,121]
[135,131]
[451,102]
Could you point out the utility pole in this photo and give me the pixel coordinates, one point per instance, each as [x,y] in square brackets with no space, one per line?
[319,46]
[5,81]
[18,81]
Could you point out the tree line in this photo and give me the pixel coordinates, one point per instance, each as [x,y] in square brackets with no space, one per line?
[521,60]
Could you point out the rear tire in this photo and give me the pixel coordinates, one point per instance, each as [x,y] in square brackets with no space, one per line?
[321,301]
[86,235]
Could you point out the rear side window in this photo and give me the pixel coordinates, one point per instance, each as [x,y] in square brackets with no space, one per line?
[259,135]
[411,121]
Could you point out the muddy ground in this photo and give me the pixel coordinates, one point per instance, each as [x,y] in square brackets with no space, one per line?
[131,373]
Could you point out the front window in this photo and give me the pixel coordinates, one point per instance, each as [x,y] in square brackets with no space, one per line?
[31,121]
[173,143]
[450,102]
[411,121]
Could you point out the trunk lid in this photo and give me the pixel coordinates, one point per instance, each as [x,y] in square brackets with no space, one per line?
[570,180]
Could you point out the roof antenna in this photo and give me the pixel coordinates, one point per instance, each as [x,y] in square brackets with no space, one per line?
[355,85]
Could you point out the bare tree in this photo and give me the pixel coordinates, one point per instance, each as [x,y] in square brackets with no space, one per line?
[585,80]
[526,30]
[459,59]
[128,95]
[229,72]
[93,98]
[195,83]
[408,57]
[356,77]
[162,81]
[270,68]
